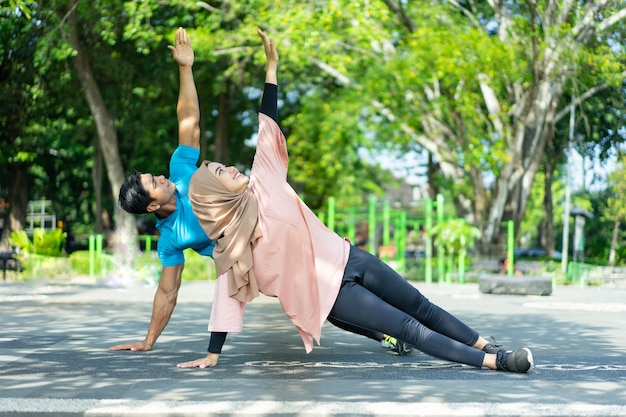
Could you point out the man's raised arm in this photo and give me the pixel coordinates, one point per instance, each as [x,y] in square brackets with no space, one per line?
[188,108]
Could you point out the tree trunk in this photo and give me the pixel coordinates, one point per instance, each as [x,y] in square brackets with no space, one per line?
[125,240]
[534,124]
[220,153]
[547,238]
[96,177]
[203,141]
[18,202]
[614,242]
[546,232]
[433,168]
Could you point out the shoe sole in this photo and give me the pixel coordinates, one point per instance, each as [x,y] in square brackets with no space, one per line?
[530,359]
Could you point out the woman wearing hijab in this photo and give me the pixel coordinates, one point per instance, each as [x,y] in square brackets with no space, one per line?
[269,241]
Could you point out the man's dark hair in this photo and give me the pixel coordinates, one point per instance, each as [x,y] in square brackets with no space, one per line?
[133,197]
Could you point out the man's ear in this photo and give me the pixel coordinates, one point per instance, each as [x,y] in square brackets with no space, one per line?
[153,206]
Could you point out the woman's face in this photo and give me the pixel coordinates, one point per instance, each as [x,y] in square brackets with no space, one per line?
[233,180]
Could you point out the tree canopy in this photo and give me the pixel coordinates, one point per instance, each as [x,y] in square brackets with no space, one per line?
[483,87]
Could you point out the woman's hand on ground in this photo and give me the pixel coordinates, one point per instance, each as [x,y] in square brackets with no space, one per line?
[207,362]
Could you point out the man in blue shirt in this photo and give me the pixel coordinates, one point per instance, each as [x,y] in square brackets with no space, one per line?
[167,199]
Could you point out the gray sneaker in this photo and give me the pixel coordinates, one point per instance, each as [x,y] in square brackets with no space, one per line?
[403,348]
[520,360]
[492,347]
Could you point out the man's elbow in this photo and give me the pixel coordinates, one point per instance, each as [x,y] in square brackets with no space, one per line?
[169,293]
[189,123]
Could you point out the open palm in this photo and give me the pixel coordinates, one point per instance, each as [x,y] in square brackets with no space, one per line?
[182,50]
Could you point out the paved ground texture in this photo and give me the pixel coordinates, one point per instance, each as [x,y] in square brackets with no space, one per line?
[54,358]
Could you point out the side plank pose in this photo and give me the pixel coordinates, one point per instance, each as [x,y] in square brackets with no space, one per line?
[269,241]
[167,199]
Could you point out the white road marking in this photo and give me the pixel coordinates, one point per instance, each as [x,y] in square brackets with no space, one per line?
[310,408]
[568,306]
[433,364]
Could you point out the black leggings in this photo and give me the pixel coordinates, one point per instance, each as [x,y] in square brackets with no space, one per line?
[371,334]
[373,296]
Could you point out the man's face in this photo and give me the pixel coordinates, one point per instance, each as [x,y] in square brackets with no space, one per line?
[233,180]
[159,188]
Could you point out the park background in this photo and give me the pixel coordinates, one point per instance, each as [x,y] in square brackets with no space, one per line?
[500,103]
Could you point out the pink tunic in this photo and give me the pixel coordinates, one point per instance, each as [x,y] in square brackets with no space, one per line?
[298,259]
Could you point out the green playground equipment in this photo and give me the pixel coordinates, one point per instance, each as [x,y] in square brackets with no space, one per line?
[388,229]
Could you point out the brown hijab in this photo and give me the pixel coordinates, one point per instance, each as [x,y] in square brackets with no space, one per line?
[230,220]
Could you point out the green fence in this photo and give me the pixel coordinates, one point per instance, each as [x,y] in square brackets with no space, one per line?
[391,231]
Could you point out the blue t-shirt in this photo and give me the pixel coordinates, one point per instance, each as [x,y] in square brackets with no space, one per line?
[181,229]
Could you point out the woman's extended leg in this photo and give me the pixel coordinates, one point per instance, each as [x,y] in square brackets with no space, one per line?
[377,277]
[360,307]
[374,296]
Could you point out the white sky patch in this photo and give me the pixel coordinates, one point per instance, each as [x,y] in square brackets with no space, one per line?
[411,166]
[590,173]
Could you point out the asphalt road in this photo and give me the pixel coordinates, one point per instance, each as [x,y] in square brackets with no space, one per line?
[54,358]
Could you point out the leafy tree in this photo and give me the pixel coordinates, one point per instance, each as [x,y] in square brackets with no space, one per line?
[481,86]
[21,6]
[484,87]
[38,115]
[17,87]
[487,101]
[103,46]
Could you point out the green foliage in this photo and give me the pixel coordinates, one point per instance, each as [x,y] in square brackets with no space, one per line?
[49,243]
[20,239]
[42,128]
[146,266]
[197,267]
[353,76]
[325,146]
[455,236]
[45,243]
[80,262]
[616,204]
[23,7]
[41,257]
[43,267]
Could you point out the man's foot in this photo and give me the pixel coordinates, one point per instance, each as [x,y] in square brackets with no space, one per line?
[520,360]
[398,346]
[492,346]
[388,342]
[403,348]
